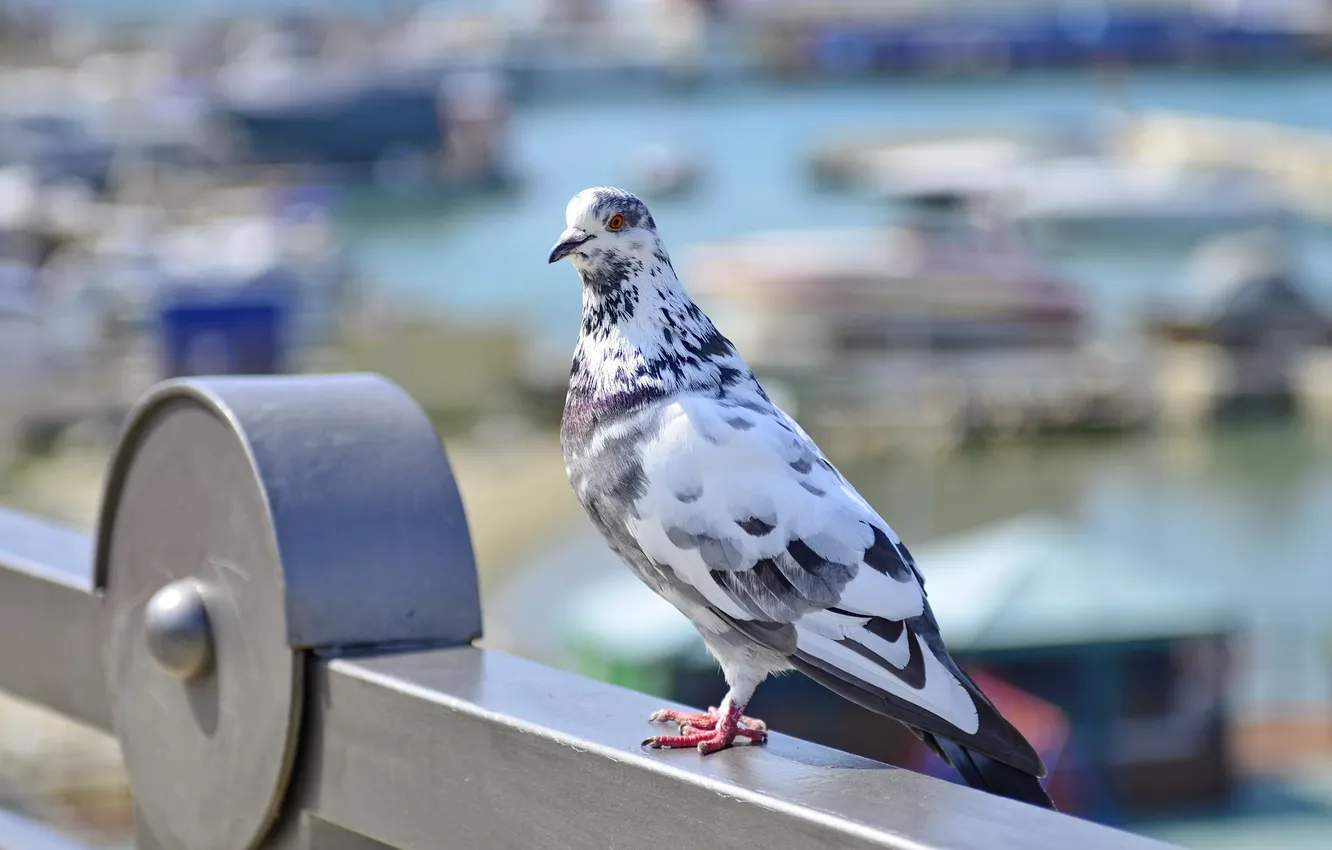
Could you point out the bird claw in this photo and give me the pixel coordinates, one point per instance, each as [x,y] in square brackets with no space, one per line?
[708,731]
[705,741]
[704,720]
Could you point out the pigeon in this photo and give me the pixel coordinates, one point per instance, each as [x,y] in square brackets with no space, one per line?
[722,504]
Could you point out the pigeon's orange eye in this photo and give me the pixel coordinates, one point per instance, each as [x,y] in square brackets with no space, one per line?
[616,222]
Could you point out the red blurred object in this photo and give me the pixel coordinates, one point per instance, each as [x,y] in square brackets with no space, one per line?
[1042,723]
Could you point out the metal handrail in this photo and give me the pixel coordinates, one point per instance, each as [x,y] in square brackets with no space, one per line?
[276,619]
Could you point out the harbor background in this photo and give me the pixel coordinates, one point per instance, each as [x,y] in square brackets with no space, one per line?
[454,300]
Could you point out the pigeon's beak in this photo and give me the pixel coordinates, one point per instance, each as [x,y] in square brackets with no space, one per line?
[569,242]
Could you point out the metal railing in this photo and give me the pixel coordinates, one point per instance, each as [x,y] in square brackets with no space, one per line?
[276,616]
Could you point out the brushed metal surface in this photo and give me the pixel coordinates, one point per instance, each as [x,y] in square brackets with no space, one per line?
[487,750]
[190,507]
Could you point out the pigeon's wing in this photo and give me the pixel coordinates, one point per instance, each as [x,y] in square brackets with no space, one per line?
[738,506]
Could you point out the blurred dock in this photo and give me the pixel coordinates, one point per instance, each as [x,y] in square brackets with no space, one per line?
[803,38]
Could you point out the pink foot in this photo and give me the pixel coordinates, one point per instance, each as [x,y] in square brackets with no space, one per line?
[708,732]
[705,720]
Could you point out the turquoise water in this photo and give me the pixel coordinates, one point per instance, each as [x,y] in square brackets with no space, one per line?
[487,257]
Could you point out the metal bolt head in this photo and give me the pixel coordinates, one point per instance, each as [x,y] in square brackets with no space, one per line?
[175,622]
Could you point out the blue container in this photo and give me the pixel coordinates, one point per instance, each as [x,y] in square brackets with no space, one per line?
[226,330]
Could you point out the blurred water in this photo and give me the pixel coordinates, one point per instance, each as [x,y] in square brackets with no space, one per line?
[487,256]
[1248,507]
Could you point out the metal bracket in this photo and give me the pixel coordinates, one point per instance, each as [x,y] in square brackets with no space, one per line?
[246,520]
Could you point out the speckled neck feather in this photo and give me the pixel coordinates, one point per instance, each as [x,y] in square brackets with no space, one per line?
[643,338]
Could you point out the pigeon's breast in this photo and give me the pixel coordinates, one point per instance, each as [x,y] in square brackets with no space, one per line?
[603,457]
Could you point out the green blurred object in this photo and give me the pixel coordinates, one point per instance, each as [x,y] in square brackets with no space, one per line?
[619,632]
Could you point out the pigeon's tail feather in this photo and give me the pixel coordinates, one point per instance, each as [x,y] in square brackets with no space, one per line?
[986,774]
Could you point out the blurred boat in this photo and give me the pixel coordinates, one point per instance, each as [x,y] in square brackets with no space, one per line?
[971,153]
[1297,161]
[1239,331]
[662,171]
[936,329]
[1106,179]
[57,144]
[393,127]
[806,298]
[1097,197]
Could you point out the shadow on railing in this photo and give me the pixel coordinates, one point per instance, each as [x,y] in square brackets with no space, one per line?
[276,617]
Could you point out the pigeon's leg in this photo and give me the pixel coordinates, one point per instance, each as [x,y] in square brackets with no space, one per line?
[716,729]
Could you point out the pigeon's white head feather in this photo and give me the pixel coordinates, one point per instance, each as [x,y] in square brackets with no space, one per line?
[608,230]
[642,336]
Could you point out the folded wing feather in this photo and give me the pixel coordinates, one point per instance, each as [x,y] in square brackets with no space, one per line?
[741,505]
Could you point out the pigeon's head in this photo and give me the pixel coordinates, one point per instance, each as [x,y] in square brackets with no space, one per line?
[610,231]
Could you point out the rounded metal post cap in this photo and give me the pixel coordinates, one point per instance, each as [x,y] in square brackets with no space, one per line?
[176,624]
[261,500]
